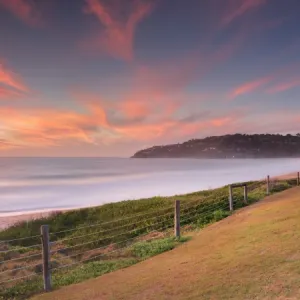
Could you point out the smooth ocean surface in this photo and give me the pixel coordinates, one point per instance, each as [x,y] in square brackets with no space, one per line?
[38,184]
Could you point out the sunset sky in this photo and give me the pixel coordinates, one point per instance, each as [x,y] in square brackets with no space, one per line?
[110,77]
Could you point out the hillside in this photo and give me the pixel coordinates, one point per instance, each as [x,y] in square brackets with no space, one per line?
[229,146]
[253,254]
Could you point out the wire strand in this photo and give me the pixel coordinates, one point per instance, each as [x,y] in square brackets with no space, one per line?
[20,258]
[103,254]
[20,268]
[95,241]
[103,247]
[21,248]
[109,222]
[15,279]
[113,229]
[20,239]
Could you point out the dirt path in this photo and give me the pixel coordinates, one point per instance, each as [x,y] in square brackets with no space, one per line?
[254,254]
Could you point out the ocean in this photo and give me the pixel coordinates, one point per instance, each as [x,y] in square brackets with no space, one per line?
[42,184]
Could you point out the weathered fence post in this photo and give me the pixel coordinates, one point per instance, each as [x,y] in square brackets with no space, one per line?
[298,178]
[245,194]
[268,185]
[230,198]
[177,219]
[46,257]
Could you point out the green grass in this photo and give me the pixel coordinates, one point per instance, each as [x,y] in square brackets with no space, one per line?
[151,248]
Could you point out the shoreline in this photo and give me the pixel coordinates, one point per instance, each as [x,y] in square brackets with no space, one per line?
[8,219]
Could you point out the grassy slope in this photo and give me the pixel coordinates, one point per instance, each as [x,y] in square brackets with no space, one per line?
[253,254]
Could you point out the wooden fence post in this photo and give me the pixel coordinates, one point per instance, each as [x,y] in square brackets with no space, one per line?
[177,219]
[46,257]
[298,178]
[230,198]
[245,194]
[268,185]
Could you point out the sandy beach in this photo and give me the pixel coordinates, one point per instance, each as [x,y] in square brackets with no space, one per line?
[6,221]
[9,220]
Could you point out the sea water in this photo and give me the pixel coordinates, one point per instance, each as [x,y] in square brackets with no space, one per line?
[41,184]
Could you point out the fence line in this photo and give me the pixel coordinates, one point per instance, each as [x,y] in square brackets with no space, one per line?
[127,225]
[184,212]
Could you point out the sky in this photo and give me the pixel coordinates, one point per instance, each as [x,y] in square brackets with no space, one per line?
[110,77]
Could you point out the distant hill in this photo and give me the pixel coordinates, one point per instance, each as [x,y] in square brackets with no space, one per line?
[229,146]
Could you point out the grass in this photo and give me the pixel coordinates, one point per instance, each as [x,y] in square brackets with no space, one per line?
[151,248]
[253,254]
[134,254]
[119,228]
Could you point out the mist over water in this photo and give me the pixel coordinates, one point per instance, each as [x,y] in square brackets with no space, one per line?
[37,184]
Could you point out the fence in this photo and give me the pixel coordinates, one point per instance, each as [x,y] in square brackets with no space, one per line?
[49,252]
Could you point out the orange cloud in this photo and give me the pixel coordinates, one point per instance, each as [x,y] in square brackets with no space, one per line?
[91,125]
[117,38]
[25,10]
[284,86]
[38,127]
[238,8]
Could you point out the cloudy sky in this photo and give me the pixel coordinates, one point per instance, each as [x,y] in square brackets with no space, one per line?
[109,77]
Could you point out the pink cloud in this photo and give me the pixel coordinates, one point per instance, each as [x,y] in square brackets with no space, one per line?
[8,94]
[259,83]
[25,10]
[117,37]
[238,8]
[11,80]
[250,86]
[281,87]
